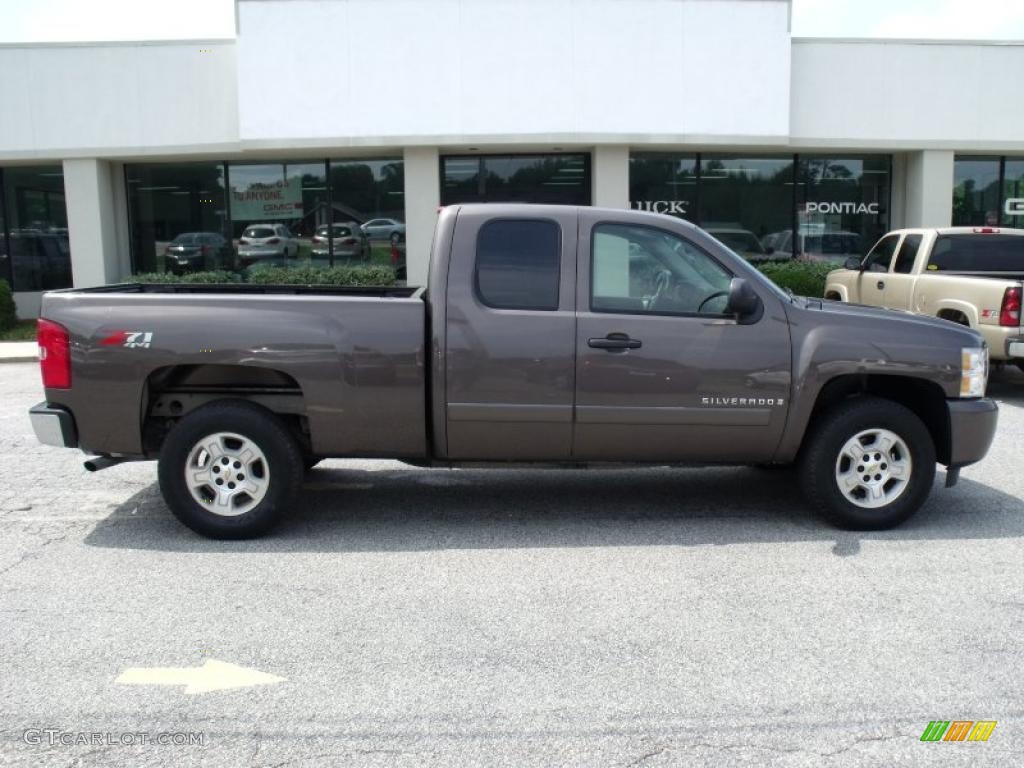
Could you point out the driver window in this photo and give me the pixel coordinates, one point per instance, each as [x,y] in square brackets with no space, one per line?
[879,258]
[639,269]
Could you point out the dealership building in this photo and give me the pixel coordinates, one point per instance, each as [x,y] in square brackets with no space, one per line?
[377,112]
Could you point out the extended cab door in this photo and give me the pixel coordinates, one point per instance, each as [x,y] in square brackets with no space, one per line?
[510,333]
[899,283]
[661,372]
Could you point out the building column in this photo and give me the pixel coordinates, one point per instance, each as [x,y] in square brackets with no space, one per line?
[928,201]
[422,199]
[610,176]
[92,222]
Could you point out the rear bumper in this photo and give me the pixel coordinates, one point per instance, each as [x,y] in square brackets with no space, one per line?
[53,425]
[972,425]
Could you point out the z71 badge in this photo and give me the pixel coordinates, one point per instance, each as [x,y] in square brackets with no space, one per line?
[129,339]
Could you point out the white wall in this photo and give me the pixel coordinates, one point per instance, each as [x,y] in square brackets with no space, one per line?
[88,100]
[354,71]
[907,94]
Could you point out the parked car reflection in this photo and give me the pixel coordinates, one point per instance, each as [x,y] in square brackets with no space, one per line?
[745,243]
[385,229]
[197,251]
[266,241]
[349,241]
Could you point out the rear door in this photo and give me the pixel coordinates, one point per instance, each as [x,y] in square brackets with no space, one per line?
[510,334]
[661,373]
[899,284]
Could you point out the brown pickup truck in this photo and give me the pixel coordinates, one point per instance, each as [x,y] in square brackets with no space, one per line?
[547,335]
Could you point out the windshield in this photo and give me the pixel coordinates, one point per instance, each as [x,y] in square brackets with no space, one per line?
[188,238]
[259,232]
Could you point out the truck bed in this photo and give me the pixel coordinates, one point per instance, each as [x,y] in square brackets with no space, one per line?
[349,362]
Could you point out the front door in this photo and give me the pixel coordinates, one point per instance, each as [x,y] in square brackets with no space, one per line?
[662,374]
[875,271]
[510,335]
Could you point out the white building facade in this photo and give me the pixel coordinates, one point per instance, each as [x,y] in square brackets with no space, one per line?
[334,114]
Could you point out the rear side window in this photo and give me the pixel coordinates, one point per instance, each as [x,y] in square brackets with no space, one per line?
[977,253]
[518,264]
[259,232]
[907,253]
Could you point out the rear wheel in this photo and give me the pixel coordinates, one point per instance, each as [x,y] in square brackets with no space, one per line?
[869,464]
[228,470]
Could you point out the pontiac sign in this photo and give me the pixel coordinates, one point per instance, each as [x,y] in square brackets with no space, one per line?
[869,208]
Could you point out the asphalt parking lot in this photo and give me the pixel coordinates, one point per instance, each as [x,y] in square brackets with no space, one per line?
[631,618]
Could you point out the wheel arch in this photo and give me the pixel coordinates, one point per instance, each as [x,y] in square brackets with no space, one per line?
[172,392]
[924,398]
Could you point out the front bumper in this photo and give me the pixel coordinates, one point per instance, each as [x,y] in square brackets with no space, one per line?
[972,425]
[53,425]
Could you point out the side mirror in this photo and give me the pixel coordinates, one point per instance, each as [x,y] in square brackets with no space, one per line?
[853,262]
[743,300]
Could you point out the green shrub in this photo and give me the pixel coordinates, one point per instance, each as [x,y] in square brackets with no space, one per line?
[349,276]
[8,312]
[804,278]
[208,278]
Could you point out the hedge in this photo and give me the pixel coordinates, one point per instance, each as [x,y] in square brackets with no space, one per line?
[349,276]
[8,312]
[804,278]
[354,276]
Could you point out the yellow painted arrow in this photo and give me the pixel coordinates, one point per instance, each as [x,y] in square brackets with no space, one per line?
[212,676]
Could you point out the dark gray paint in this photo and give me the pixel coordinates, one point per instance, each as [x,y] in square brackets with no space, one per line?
[513,385]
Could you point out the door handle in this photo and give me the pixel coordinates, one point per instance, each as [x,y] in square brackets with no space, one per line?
[880,284]
[615,341]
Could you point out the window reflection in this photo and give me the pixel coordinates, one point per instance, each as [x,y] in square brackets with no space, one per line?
[240,217]
[976,191]
[560,179]
[38,252]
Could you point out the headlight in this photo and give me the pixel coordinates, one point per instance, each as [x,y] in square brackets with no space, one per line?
[973,371]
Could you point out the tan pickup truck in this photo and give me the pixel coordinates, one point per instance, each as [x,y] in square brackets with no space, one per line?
[969,275]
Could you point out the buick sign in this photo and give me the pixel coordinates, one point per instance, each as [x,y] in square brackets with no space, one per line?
[662,206]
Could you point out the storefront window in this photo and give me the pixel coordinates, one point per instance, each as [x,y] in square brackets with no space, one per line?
[562,179]
[829,208]
[38,250]
[276,209]
[369,195]
[178,217]
[976,191]
[191,217]
[747,203]
[5,259]
[664,182]
[842,205]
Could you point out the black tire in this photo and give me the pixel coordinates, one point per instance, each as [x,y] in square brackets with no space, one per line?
[1019,364]
[821,452]
[310,462]
[283,468]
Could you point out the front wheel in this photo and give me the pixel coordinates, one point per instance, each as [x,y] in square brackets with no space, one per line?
[869,464]
[229,469]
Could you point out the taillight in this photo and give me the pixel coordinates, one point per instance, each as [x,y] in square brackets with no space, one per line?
[273,241]
[1009,313]
[54,354]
